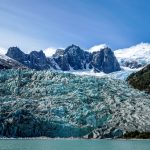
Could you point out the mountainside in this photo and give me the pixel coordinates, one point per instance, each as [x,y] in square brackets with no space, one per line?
[135,56]
[34,60]
[141,79]
[8,63]
[72,58]
[44,103]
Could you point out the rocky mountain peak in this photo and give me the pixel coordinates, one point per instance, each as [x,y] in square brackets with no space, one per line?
[73,49]
[9,63]
[104,60]
[97,48]
[73,46]
[16,53]
[14,50]
[38,54]
[58,52]
[69,59]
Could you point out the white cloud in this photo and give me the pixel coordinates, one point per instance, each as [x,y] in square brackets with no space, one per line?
[3,50]
[97,48]
[49,51]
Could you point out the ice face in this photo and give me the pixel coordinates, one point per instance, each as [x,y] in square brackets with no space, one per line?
[44,103]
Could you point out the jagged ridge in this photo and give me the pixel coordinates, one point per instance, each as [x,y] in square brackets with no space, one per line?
[8,63]
[72,58]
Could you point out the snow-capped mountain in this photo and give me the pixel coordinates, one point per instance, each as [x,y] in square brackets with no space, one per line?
[135,56]
[72,58]
[8,63]
[97,48]
[49,52]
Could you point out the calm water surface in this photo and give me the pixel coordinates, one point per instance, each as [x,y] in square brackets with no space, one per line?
[49,144]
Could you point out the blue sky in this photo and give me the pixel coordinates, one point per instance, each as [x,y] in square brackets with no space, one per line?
[38,24]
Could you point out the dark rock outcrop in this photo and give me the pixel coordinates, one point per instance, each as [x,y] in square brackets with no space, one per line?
[141,79]
[105,61]
[72,58]
[17,54]
[9,63]
[77,59]
[137,135]
[34,60]
[133,64]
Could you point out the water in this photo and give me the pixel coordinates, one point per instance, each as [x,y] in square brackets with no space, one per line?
[48,144]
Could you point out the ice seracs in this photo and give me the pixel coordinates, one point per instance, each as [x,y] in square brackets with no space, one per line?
[52,104]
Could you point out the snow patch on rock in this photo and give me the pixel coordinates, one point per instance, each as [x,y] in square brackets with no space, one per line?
[49,51]
[97,48]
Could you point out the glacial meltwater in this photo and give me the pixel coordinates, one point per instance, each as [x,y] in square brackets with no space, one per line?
[48,144]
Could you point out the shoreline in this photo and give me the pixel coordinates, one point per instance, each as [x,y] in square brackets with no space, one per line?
[48,138]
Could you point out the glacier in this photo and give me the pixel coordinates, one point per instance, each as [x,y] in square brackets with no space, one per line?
[43,103]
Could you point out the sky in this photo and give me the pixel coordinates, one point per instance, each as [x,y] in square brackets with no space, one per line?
[41,24]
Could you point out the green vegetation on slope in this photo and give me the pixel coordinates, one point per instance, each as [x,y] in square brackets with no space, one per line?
[141,79]
[137,135]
